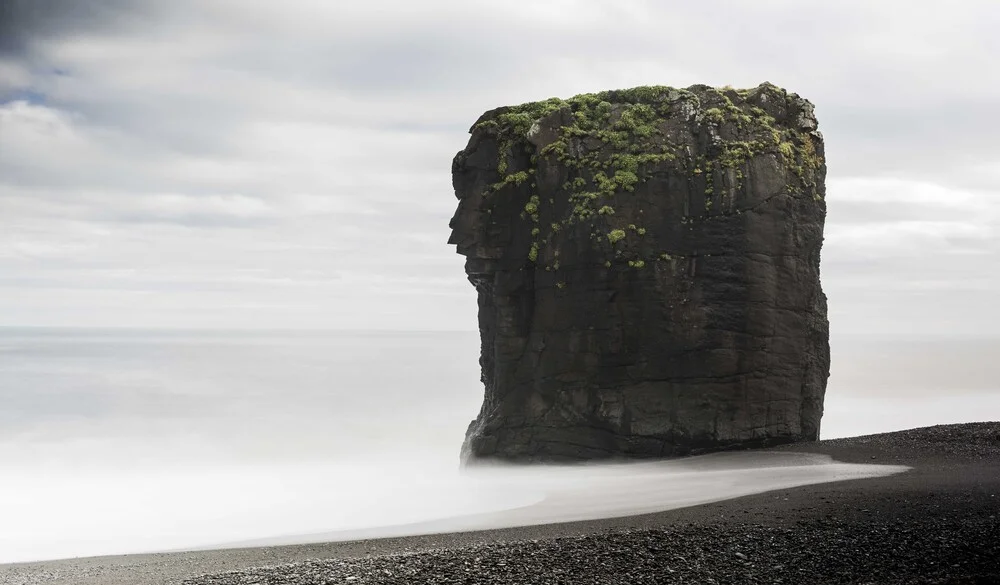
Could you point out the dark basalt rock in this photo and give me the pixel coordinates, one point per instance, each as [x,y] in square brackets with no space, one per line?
[647,264]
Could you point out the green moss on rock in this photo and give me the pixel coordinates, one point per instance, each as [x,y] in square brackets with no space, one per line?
[613,141]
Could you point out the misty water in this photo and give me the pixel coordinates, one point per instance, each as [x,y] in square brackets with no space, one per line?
[126,441]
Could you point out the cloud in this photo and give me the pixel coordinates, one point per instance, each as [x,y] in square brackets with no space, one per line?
[901,216]
[28,22]
[219,161]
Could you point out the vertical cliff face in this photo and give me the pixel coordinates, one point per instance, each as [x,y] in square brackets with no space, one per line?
[647,265]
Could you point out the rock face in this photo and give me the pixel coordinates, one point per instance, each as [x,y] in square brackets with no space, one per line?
[647,264]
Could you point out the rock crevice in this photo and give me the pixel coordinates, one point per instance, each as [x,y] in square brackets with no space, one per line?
[647,267]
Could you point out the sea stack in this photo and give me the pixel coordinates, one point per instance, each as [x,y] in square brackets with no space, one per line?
[647,264]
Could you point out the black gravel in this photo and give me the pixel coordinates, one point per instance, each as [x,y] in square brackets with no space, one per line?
[938,524]
[933,551]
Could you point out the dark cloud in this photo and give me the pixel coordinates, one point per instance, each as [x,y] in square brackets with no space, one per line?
[24,22]
[27,95]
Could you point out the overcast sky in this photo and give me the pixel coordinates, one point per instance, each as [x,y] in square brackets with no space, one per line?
[241,163]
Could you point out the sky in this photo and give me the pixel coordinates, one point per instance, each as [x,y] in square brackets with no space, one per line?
[241,163]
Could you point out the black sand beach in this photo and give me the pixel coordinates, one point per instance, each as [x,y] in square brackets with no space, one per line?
[938,523]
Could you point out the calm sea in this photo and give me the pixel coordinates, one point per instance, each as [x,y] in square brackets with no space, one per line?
[115,441]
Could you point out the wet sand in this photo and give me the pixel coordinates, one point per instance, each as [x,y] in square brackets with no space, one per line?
[937,523]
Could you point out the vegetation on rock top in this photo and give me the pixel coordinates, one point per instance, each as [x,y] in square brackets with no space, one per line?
[611,142]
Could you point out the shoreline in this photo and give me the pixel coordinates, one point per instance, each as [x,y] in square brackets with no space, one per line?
[953,489]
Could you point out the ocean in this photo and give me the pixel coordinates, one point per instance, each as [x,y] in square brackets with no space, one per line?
[119,441]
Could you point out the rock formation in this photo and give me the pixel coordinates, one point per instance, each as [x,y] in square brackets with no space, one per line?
[647,265]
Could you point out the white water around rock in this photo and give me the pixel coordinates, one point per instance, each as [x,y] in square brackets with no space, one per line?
[102,512]
[590,492]
[116,442]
